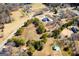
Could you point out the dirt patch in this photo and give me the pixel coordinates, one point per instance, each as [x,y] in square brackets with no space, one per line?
[30,33]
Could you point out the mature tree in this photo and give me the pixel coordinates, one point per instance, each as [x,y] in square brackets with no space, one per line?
[36,21]
[18,41]
[38,45]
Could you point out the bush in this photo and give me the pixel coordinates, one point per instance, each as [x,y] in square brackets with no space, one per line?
[18,41]
[36,21]
[30,42]
[38,45]
[31,50]
[45,35]
[44,40]
[41,29]
[27,23]
[19,32]
[55,33]
[10,40]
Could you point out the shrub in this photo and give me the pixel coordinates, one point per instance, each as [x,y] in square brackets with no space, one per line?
[45,35]
[55,33]
[19,31]
[66,49]
[44,40]
[30,42]
[18,41]
[27,23]
[30,50]
[38,45]
[41,29]
[10,40]
[36,21]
